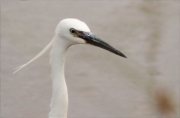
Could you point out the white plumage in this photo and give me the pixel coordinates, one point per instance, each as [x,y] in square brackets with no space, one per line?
[68,32]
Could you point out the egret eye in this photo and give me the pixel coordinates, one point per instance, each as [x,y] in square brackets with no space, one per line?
[72,31]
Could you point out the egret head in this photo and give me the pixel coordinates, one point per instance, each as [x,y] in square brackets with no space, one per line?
[76,31]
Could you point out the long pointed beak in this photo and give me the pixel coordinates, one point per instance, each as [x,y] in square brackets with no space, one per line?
[93,40]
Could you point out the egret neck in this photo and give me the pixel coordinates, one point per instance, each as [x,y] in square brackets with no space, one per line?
[59,100]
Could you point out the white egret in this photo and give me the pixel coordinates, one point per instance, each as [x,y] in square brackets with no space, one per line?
[68,32]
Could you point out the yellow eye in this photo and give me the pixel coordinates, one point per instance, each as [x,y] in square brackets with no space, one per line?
[72,31]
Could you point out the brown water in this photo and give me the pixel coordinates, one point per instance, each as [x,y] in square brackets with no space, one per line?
[100,84]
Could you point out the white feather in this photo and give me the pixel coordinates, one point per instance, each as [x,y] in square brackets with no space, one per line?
[36,57]
[62,40]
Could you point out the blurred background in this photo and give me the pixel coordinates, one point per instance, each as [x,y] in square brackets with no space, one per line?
[100,84]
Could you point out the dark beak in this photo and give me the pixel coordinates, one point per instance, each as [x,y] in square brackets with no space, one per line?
[90,38]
